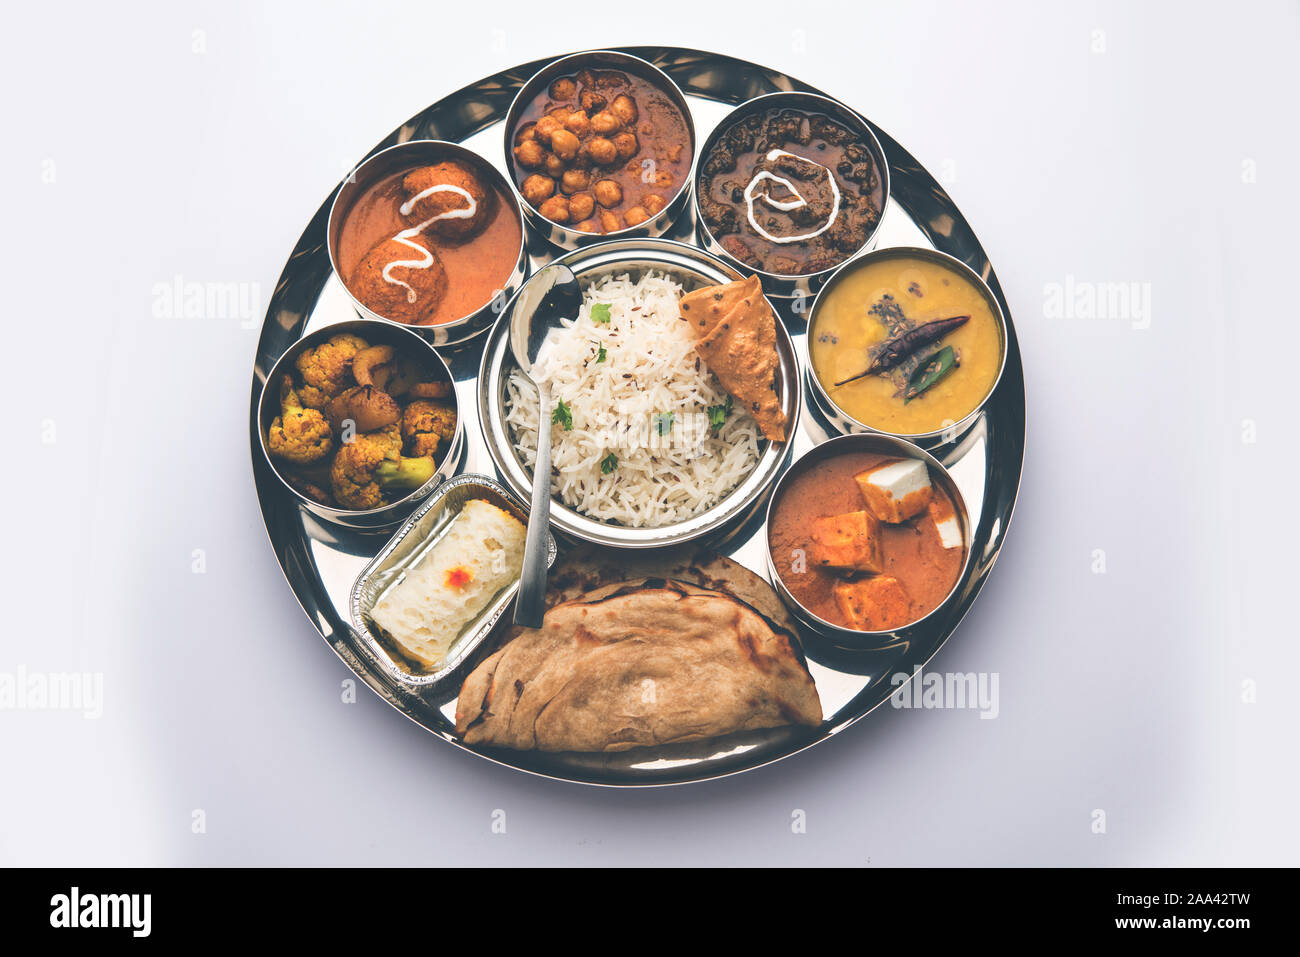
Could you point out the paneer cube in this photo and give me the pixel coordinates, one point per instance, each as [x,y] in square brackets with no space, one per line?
[849,542]
[896,491]
[945,523]
[873,604]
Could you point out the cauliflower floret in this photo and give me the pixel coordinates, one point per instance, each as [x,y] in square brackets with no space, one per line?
[425,424]
[298,435]
[325,369]
[371,465]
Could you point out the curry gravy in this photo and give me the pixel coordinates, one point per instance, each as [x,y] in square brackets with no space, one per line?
[477,268]
[845,332]
[913,553]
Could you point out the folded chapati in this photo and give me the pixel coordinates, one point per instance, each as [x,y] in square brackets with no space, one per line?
[635,665]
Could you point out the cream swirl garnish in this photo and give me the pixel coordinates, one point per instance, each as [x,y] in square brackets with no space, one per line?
[407,236]
[788,205]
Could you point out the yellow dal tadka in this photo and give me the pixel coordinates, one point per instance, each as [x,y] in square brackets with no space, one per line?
[845,334]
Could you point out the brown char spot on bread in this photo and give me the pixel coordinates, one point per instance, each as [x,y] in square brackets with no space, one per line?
[750,650]
[787,712]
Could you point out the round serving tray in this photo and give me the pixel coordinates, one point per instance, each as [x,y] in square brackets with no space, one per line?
[321,561]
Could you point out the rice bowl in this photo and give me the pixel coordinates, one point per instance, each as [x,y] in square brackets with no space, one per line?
[692,268]
[643,434]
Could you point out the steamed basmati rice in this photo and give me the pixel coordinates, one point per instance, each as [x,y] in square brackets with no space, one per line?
[647,403]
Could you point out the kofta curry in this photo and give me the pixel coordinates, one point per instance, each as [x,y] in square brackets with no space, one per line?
[429,245]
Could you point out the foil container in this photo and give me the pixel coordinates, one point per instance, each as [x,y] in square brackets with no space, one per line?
[408,546]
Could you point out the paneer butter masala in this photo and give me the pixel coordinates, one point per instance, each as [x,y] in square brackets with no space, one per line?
[866,541]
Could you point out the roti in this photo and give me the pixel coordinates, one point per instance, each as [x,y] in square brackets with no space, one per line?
[637,664]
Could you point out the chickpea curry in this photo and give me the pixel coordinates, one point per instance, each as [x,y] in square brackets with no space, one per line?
[601,151]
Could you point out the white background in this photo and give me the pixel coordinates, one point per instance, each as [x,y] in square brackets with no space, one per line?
[1152,143]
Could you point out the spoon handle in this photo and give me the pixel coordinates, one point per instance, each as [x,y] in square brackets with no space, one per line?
[530,604]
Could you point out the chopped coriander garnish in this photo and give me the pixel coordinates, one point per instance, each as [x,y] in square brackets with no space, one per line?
[561,415]
[663,423]
[600,312]
[600,356]
[608,463]
[718,414]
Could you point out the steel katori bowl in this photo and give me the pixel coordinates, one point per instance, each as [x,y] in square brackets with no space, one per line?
[412,155]
[693,268]
[827,410]
[788,285]
[374,332]
[408,547]
[563,235]
[879,444]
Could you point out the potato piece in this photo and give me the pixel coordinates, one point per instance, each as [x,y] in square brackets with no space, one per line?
[574,180]
[546,127]
[365,406]
[605,123]
[578,123]
[368,361]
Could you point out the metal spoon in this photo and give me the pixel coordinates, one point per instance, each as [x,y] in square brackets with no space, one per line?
[549,296]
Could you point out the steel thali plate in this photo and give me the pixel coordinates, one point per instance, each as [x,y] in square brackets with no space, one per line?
[321,561]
